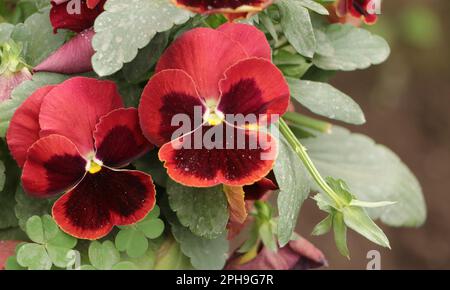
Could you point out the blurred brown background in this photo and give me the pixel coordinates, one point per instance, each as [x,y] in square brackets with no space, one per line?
[407,105]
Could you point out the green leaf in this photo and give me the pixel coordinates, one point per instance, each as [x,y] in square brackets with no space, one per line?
[61,239]
[125,265]
[325,100]
[297,26]
[358,220]
[37,36]
[132,241]
[11,179]
[353,48]
[60,256]
[103,256]
[14,233]
[373,172]
[2,175]
[5,31]
[205,254]
[314,6]
[127,26]
[340,234]
[152,228]
[22,92]
[368,204]
[28,206]
[170,257]
[35,230]
[34,257]
[323,227]
[203,210]
[267,236]
[12,264]
[138,69]
[294,187]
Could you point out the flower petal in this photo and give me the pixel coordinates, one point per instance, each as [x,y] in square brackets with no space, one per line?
[53,165]
[252,39]
[251,157]
[360,9]
[258,190]
[8,82]
[71,58]
[168,93]
[204,54]
[103,200]
[63,16]
[24,127]
[297,255]
[226,7]
[118,138]
[73,108]
[236,203]
[253,87]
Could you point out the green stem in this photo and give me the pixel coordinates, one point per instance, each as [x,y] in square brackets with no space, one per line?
[304,157]
[308,122]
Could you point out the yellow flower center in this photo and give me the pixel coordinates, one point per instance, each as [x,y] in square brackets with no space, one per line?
[94,167]
[213,116]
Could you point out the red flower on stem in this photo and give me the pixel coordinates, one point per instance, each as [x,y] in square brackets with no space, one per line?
[352,10]
[220,72]
[75,138]
[231,9]
[74,56]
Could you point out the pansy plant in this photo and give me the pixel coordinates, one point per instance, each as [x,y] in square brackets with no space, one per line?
[76,138]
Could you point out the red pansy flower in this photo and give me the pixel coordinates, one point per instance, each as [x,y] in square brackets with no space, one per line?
[64,16]
[75,55]
[222,72]
[75,138]
[356,9]
[231,9]
[298,254]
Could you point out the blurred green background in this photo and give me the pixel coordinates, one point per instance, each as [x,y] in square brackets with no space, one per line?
[407,105]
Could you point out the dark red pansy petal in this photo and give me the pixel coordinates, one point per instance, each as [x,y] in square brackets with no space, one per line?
[118,138]
[71,58]
[103,200]
[252,39]
[63,16]
[231,9]
[204,54]
[53,166]
[73,109]
[254,86]
[24,127]
[236,157]
[259,189]
[168,93]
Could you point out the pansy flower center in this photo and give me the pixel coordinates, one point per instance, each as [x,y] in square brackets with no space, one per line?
[212,115]
[94,166]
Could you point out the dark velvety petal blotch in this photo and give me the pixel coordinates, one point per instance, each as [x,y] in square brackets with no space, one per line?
[118,138]
[103,200]
[53,166]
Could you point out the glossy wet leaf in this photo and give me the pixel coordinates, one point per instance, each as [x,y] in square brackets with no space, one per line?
[203,210]
[127,26]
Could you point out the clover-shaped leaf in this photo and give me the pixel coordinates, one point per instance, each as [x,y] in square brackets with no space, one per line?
[133,239]
[104,256]
[51,246]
